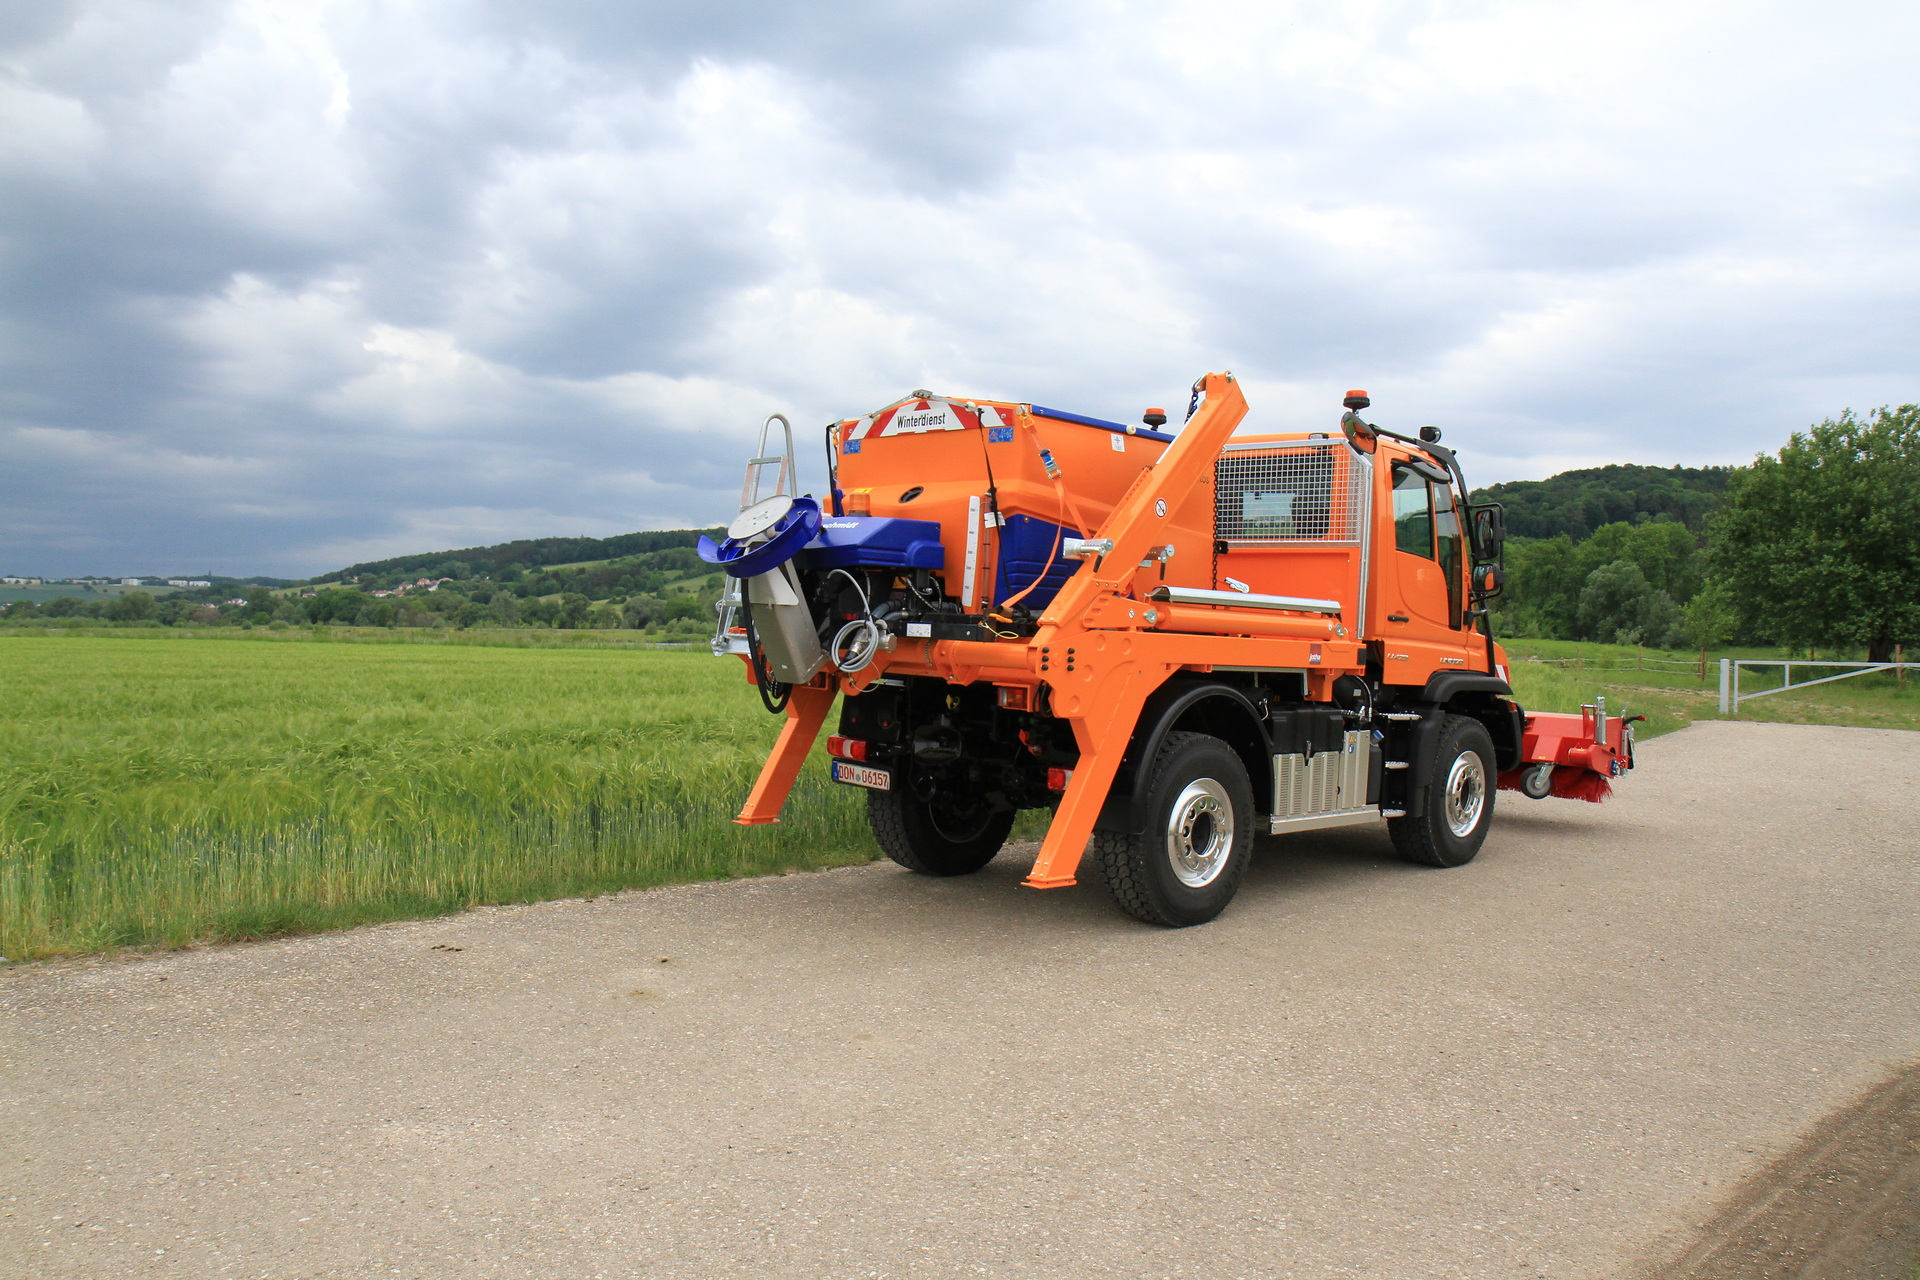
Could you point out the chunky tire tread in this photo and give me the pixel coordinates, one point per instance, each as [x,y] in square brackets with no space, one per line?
[1113,851]
[1426,840]
[1129,864]
[906,834]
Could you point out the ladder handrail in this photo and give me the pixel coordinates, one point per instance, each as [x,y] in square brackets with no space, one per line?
[783,481]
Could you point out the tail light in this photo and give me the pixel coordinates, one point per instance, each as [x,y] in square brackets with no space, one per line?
[846,748]
[1057,779]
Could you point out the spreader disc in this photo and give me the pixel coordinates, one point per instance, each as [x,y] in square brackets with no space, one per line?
[759,517]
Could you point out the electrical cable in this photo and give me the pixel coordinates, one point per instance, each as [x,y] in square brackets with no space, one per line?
[999,525]
[861,652]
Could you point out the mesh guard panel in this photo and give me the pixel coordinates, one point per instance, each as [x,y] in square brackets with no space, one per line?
[1289,493]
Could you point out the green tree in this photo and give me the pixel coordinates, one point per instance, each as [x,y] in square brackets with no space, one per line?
[641,612]
[1821,543]
[336,604]
[573,609]
[1619,606]
[1711,617]
[1664,550]
[134,606]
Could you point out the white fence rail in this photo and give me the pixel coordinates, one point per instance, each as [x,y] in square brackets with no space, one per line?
[1731,697]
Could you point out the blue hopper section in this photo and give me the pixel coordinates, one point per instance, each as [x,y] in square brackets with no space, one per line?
[875,542]
[1024,545]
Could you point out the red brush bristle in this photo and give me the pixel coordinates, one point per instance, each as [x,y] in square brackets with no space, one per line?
[1573,783]
[1510,780]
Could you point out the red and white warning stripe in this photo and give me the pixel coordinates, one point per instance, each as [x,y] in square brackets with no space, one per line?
[917,416]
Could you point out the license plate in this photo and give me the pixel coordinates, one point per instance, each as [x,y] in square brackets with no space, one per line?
[861,775]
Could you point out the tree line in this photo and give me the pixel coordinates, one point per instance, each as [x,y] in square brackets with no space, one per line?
[1817,544]
[631,592]
[507,559]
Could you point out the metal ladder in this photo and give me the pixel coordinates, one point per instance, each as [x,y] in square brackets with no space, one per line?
[752,492]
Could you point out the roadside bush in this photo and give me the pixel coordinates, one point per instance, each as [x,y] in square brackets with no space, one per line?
[1618,605]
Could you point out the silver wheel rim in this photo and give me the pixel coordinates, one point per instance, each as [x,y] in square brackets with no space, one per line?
[1200,833]
[1466,793]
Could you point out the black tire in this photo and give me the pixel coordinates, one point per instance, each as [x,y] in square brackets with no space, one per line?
[938,837]
[1140,871]
[1459,800]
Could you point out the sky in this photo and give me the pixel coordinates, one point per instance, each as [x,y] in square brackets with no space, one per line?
[290,284]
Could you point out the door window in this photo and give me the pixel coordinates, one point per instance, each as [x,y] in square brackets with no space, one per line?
[1412,512]
[1446,528]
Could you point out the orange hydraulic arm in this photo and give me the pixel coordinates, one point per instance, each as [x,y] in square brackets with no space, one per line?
[1104,716]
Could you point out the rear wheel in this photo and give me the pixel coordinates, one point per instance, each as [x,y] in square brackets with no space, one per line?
[1459,800]
[950,834]
[1187,864]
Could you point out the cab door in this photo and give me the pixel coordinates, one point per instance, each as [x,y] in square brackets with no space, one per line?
[1420,615]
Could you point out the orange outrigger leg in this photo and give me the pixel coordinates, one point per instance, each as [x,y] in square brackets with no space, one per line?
[806,712]
[1102,734]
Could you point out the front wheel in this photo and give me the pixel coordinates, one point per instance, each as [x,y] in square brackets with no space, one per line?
[1187,864]
[951,834]
[1459,800]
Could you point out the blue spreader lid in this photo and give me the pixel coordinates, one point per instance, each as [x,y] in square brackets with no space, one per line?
[875,542]
[1062,415]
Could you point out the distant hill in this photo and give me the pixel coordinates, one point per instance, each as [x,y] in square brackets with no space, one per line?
[528,553]
[1578,502]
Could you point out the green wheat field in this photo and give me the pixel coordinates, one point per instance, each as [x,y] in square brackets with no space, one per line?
[210,787]
[168,791]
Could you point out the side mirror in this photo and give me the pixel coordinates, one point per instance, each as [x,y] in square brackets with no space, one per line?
[1488,580]
[1489,531]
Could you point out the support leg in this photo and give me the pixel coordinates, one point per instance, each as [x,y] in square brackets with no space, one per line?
[1103,736]
[806,712]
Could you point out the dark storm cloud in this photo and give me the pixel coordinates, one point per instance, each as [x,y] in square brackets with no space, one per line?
[286,285]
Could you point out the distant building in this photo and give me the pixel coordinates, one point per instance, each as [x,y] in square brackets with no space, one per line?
[21,582]
[188,582]
[130,582]
[237,600]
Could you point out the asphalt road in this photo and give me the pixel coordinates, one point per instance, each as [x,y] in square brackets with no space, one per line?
[1555,1062]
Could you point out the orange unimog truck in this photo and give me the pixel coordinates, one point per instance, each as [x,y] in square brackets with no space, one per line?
[1170,641]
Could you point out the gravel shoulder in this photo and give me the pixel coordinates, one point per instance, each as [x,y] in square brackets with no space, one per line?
[1565,1060]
